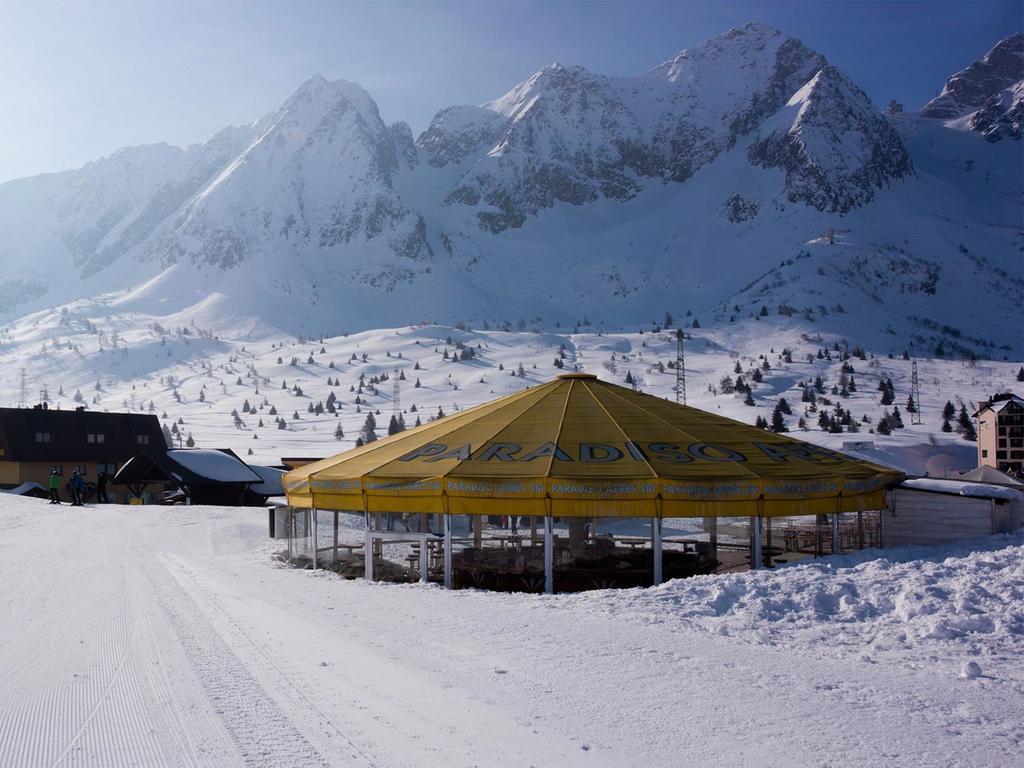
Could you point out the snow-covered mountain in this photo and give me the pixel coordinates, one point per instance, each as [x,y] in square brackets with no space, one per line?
[970,88]
[574,195]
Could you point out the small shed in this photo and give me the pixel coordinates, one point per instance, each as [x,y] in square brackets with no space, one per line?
[205,476]
[929,511]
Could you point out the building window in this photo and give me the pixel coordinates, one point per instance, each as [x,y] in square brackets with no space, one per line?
[1001,455]
[80,468]
[1017,455]
[97,438]
[1002,443]
[109,469]
[142,439]
[984,453]
[42,437]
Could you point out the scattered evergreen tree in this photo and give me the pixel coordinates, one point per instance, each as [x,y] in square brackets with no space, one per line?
[965,425]
[368,433]
[896,420]
[339,433]
[749,399]
[778,421]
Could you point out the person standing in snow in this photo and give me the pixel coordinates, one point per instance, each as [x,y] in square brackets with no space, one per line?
[101,489]
[76,489]
[54,486]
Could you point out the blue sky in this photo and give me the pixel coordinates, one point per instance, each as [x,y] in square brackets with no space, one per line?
[81,79]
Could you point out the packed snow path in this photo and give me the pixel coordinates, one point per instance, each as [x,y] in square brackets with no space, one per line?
[168,636]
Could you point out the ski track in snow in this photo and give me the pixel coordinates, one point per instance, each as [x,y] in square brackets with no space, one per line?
[168,637]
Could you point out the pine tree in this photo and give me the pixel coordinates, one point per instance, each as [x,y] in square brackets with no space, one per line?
[965,425]
[911,405]
[783,406]
[393,428]
[896,420]
[1020,374]
[778,422]
[948,410]
[883,426]
[339,433]
[749,399]
[368,433]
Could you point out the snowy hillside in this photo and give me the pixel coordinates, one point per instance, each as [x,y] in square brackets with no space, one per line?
[574,195]
[271,397]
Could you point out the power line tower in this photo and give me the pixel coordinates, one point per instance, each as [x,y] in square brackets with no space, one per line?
[915,392]
[396,393]
[22,388]
[680,368]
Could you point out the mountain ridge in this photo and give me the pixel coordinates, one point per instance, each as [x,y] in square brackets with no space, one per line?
[572,194]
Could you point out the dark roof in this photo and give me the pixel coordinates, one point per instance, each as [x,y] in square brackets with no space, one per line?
[68,432]
[193,467]
[998,402]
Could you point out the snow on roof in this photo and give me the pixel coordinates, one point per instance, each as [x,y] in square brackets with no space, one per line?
[962,488]
[214,465]
[987,474]
[23,489]
[998,405]
[271,485]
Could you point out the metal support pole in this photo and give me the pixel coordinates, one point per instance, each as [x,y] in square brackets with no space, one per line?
[368,552]
[315,531]
[835,534]
[335,535]
[424,557]
[448,581]
[656,548]
[755,542]
[549,555]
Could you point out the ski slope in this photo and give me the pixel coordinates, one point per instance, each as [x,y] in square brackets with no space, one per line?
[169,636]
[193,379]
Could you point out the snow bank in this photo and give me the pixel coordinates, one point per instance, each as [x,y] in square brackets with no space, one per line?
[870,602]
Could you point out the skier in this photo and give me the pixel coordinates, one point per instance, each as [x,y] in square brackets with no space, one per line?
[54,486]
[76,489]
[101,489]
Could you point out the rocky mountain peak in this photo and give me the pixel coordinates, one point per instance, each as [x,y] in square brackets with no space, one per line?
[970,88]
[833,145]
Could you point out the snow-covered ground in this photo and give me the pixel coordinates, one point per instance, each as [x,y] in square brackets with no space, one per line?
[169,636]
[194,380]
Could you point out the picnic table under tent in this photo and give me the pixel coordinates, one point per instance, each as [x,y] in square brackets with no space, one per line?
[579,448]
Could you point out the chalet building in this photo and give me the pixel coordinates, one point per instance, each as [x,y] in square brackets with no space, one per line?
[1001,433]
[33,441]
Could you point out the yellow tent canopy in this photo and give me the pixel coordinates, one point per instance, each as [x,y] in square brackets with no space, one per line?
[581,447]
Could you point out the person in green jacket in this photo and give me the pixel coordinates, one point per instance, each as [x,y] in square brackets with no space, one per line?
[54,487]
